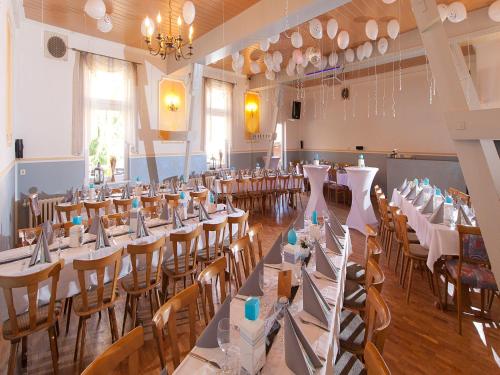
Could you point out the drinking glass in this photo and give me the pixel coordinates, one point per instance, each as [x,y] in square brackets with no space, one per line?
[232,364]
[59,234]
[224,336]
[282,250]
[111,226]
[30,236]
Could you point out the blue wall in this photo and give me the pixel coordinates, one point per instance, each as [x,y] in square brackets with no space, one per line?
[160,167]
[7,204]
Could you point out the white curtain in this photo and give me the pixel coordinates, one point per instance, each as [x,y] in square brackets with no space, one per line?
[78,94]
[218,119]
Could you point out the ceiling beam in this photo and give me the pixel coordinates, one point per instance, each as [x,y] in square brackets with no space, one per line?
[408,45]
[262,20]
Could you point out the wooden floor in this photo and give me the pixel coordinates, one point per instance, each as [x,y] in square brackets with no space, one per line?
[422,339]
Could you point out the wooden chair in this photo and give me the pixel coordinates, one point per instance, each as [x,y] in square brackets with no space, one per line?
[122,205]
[64,211]
[200,196]
[282,186]
[387,228]
[172,199]
[151,201]
[355,331]
[185,261]
[269,189]
[37,318]
[95,298]
[242,224]
[126,348]
[374,364]
[357,272]
[414,254]
[167,316]
[472,270]
[240,258]
[255,235]
[295,190]
[215,271]
[226,187]
[153,211]
[35,209]
[209,253]
[120,218]
[459,196]
[338,190]
[96,207]
[21,233]
[241,195]
[144,279]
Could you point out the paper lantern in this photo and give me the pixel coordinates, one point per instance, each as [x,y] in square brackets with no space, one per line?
[316,29]
[188,12]
[382,46]
[274,39]
[343,39]
[264,45]
[277,57]
[270,75]
[255,67]
[332,27]
[333,59]
[95,9]
[360,52]
[105,24]
[371,29]
[349,55]
[494,11]
[147,24]
[457,12]
[393,29]
[443,11]
[297,40]
[368,48]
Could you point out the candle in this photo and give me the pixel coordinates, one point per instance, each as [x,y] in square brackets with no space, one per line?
[191,34]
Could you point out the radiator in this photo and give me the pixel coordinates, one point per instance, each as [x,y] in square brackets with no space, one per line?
[48,210]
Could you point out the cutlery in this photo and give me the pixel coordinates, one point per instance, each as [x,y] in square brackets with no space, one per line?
[203,359]
[273,266]
[314,324]
[324,278]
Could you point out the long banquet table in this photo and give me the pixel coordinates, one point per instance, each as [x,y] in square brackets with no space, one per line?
[324,343]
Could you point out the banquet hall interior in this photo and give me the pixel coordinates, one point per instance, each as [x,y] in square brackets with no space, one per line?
[249,186]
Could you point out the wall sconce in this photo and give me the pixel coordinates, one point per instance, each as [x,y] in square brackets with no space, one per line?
[172,103]
[251,108]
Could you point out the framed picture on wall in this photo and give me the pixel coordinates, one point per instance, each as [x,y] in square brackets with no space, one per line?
[172,110]
[8,80]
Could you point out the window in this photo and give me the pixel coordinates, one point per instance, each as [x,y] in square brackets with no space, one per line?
[110,114]
[218,103]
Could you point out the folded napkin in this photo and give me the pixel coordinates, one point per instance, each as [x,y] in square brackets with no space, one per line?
[419,199]
[274,255]
[101,239]
[107,190]
[196,187]
[403,185]
[75,199]
[251,287]
[332,242]
[49,232]
[229,207]
[438,215]
[126,192]
[335,224]
[314,302]
[299,221]
[299,355]
[463,218]
[142,229]
[41,253]
[190,207]
[69,196]
[95,225]
[165,212]
[412,194]
[324,265]
[176,219]
[406,190]
[208,338]
[100,196]
[152,190]
[203,214]
[429,206]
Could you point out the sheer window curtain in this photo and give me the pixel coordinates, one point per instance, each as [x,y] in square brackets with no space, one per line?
[218,119]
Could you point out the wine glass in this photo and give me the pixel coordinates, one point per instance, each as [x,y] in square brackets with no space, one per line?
[111,226]
[232,364]
[282,250]
[30,236]
[224,336]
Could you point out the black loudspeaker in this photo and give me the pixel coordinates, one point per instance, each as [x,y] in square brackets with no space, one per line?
[360,148]
[301,145]
[19,147]
[296,110]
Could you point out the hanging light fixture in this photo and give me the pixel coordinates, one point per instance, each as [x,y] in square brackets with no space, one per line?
[169,42]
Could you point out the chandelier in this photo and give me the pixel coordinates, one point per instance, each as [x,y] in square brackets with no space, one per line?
[167,43]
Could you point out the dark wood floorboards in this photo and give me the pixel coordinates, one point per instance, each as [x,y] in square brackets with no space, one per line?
[422,339]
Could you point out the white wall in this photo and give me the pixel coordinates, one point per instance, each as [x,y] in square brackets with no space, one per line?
[488,73]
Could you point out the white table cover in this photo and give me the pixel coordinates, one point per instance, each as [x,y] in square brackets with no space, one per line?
[360,182]
[342,179]
[440,239]
[317,175]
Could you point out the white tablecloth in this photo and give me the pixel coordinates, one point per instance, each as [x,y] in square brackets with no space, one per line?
[317,177]
[440,239]
[360,182]
[321,341]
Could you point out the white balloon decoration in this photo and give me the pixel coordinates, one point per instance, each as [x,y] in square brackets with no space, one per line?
[316,29]
[457,12]
[333,59]
[188,12]
[297,56]
[105,24]
[323,62]
[371,29]
[368,48]
[147,23]
[343,39]
[332,27]
[300,70]
[443,11]
[264,45]
[382,46]
[255,67]
[95,9]
[388,1]
[277,57]
[360,52]
[274,39]
[314,55]
[494,11]
[276,67]
[291,64]
[393,29]
[305,62]
[290,71]
[270,75]
[268,61]
[297,40]
[240,61]
[349,55]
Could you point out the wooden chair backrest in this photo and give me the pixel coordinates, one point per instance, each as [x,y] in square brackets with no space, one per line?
[472,248]
[119,217]
[207,280]
[98,266]
[167,315]
[173,199]
[201,196]
[242,222]
[459,196]
[67,210]
[374,275]
[122,204]
[208,181]
[147,251]
[96,207]
[152,210]
[242,185]
[297,182]
[21,241]
[151,201]
[383,206]
[374,362]
[31,282]
[220,232]
[373,249]
[226,186]
[270,183]
[255,235]
[256,183]
[400,221]
[127,347]
[377,319]
[283,182]
[240,254]
[189,251]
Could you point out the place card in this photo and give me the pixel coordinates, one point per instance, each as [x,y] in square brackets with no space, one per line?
[285,284]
